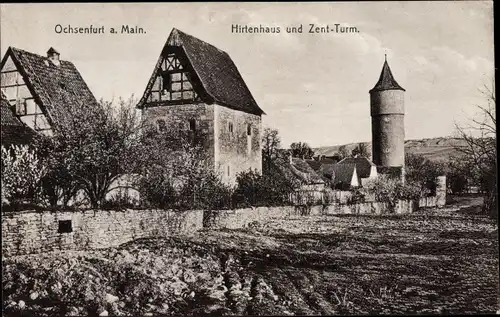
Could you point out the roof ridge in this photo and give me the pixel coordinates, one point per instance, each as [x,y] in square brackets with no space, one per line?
[200,40]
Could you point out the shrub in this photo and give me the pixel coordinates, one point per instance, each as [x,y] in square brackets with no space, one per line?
[21,174]
[390,190]
[357,196]
[157,191]
[206,192]
[254,189]
[120,201]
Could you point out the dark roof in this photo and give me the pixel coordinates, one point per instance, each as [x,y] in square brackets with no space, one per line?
[304,172]
[316,164]
[386,80]
[343,173]
[52,51]
[51,85]
[327,171]
[8,117]
[216,71]
[363,165]
[13,131]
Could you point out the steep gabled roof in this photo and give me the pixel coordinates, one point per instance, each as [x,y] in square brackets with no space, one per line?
[13,131]
[343,173]
[304,172]
[216,71]
[363,165]
[51,85]
[386,80]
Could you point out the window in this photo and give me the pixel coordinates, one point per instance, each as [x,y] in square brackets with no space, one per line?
[65,226]
[228,170]
[20,107]
[192,125]
[161,125]
[249,129]
[167,82]
[230,127]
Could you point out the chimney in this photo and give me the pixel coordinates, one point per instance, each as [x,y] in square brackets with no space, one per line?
[53,56]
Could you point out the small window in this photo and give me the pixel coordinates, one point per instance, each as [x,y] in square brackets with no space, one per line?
[230,127]
[65,226]
[20,108]
[161,125]
[167,81]
[249,129]
[192,125]
[228,170]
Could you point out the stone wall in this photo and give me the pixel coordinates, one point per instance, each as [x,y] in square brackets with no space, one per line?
[33,232]
[242,218]
[236,151]
[29,232]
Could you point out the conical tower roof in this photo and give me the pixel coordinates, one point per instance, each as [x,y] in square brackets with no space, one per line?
[386,80]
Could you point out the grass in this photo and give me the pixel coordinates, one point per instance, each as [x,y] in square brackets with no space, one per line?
[433,261]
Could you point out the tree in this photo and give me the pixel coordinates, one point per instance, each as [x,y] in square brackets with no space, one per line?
[269,189]
[176,171]
[423,172]
[342,152]
[480,148]
[301,150]
[461,174]
[271,145]
[361,150]
[95,143]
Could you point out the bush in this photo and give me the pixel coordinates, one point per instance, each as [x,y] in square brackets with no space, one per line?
[254,189]
[356,197]
[21,174]
[390,190]
[157,191]
[120,201]
[205,193]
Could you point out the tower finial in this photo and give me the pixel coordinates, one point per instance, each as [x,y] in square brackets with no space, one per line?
[385,57]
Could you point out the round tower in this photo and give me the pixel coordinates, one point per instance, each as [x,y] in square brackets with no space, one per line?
[388,132]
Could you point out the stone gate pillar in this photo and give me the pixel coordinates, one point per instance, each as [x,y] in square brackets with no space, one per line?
[440,191]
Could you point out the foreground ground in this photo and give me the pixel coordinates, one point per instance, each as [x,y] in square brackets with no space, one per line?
[434,261]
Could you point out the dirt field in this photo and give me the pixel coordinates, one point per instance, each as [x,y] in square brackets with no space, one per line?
[434,261]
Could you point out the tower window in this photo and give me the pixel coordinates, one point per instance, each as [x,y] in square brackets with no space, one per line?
[192,125]
[161,125]
[228,170]
[167,81]
[249,129]
[230,127]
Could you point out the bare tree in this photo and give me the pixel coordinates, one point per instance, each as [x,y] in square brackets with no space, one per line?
[480,150]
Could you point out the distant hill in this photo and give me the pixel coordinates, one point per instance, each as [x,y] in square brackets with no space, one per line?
[436,149]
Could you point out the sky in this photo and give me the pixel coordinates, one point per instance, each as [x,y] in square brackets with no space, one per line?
[313,87]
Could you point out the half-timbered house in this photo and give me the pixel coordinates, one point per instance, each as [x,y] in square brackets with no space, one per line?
[34,84]
[196,86]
